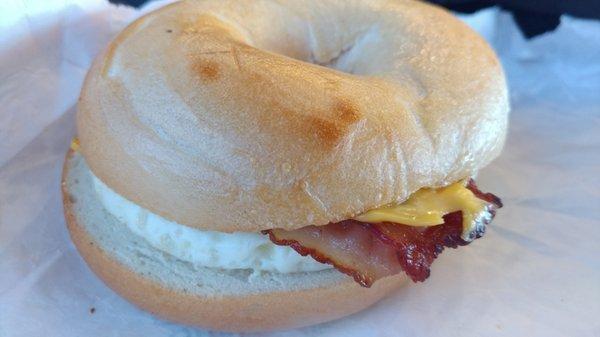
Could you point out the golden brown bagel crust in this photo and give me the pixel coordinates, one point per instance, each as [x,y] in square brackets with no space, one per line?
[230,312]
[209,113]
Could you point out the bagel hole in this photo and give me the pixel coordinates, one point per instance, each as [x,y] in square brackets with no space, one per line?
[337,62]
[347,60]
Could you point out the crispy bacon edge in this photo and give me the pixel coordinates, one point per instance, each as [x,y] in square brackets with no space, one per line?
[489,197]
[449,239]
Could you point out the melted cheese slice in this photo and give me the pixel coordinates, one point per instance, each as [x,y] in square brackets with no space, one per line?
[427,206]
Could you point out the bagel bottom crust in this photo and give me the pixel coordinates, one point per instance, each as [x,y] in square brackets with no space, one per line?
[310,298]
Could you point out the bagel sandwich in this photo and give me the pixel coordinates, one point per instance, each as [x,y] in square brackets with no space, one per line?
[272,164]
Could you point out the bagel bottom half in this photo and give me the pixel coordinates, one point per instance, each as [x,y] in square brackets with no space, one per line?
[211,298]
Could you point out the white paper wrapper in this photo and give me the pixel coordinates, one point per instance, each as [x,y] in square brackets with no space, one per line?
[535,273]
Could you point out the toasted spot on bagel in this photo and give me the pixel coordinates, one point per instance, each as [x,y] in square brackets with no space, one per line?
[346,112]
[208,71]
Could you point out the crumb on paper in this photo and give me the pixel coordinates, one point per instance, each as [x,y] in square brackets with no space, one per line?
[75,144]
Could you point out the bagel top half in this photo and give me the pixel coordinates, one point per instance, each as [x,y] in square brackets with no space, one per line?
[250,115]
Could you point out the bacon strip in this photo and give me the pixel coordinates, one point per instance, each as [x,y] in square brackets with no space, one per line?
[489,197]
[368,252]
[350,246]
[417,247]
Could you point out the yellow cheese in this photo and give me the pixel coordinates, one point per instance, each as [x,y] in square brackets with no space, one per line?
[427,206]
